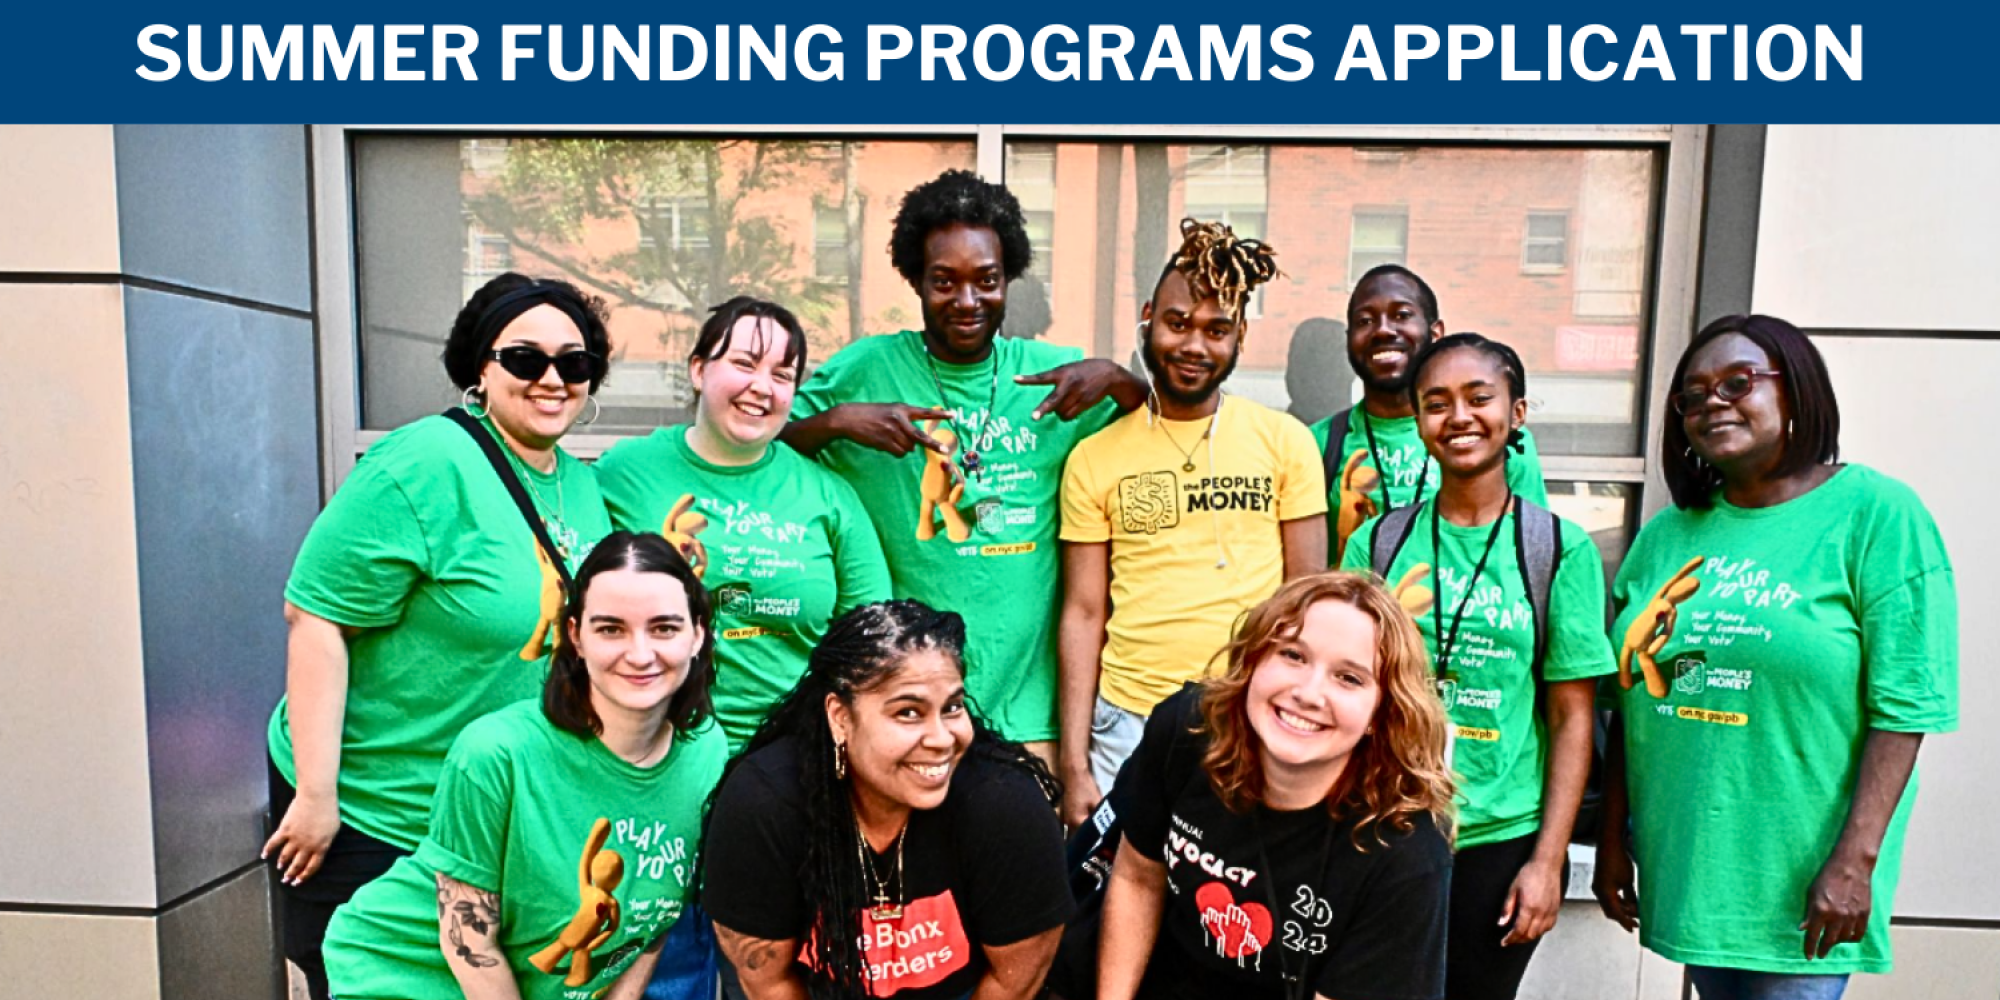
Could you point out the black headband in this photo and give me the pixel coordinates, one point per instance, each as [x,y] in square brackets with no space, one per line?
[509,307]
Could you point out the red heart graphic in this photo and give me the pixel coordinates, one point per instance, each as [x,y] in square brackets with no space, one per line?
[1240,929]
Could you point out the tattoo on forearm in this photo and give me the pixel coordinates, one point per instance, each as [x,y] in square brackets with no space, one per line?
[471,919]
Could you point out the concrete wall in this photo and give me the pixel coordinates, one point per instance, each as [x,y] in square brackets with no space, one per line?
[157,286]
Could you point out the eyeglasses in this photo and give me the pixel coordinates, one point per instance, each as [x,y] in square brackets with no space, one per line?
[528,363]
[1729,389]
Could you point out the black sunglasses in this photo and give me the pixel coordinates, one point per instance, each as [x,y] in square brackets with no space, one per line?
[528,363]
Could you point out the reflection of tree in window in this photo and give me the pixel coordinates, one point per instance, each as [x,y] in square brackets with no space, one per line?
[703,215]
[1231,184]
[1380,236]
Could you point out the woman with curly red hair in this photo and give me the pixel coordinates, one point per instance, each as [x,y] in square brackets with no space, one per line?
[1284,823]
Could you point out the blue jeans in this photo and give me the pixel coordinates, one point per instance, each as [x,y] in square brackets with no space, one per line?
[1114,734]
[686,969]
[1711,983]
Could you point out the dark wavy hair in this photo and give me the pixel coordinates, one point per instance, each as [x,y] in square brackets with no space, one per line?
[713,340]
[861,651]
[1808,392]
[485,315]
[566,692]
[958,197]
[1425,296]
[1506,357]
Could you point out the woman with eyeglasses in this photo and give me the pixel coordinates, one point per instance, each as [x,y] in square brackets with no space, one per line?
[1788,634]
[784,544]
[422,598]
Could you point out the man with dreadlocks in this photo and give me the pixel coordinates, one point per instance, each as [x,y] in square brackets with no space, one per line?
[968,525]
[1178,517]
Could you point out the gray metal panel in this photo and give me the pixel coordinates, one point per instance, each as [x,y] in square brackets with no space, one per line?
[1729,227]
[221,208]
[226,482]
[219,945]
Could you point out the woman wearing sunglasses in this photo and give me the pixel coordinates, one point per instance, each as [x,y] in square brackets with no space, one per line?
[1789,634]
[422,599]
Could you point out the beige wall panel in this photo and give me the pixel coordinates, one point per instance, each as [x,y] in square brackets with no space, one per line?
[1880,227]
[1906,407]
[77,821]
[1936,963]
[59,197]
[62,955]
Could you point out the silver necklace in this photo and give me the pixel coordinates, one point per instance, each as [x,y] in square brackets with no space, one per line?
[970,458]
[565,537]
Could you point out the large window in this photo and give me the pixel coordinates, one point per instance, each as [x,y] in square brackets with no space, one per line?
[660,228]
[1548,239]
[1453,214]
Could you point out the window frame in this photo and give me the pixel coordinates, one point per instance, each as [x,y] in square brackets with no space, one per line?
[1673,270]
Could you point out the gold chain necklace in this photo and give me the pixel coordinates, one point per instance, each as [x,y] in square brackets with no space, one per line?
[885,909]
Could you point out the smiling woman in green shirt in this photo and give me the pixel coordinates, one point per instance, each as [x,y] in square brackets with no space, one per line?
[1518,690]
[783,544]
[566,833]
[1789,633]
[421,599]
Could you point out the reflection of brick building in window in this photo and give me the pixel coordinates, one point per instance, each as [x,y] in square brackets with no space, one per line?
[664,229]
[1459,216]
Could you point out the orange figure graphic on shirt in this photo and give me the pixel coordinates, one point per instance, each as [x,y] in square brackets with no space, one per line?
[597,876]
[1357,481]
[1653,626]
[942,487]
[1411,593]
[680,527]
[544,635]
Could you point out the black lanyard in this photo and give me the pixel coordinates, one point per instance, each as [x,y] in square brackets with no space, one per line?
[1448,641]
[1295,982]
[1382,471]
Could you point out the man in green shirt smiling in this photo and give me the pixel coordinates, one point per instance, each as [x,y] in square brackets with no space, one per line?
[969,523]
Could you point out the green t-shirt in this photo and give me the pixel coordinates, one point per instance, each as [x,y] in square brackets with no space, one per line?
[992,556]
[517,804]
[425,554]
[784,545]
[1501,748]
[1816,621]
[1410,469]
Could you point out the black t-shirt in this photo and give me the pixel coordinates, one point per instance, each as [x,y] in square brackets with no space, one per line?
[983,869]
[1370,926]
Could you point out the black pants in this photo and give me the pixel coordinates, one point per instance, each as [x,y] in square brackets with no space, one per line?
[1476,967]
[353,860]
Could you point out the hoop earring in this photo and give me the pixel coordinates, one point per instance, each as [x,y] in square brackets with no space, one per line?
[1688,453]
[594,408]
[473,401]
[1788,428]
[840,760]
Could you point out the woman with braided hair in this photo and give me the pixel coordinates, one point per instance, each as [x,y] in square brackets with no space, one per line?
[875,839]
[1177,517]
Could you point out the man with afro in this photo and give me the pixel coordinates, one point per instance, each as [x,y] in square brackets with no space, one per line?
[968,524]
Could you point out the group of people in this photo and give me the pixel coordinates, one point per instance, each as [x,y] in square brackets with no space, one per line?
[807,691]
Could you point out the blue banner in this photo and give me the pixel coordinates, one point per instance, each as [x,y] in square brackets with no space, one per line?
[902,62]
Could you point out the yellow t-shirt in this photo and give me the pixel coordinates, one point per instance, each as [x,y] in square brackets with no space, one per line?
[1172,606]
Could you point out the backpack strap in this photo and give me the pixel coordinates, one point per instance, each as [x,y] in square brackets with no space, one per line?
[505,470]
[1395,528]
[1538,544]
[1330,458]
